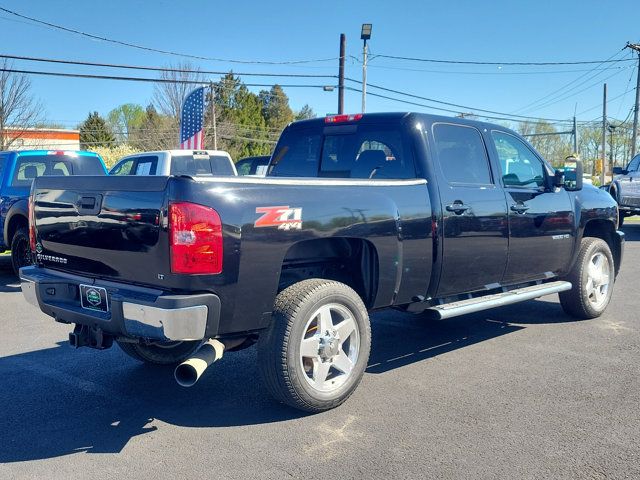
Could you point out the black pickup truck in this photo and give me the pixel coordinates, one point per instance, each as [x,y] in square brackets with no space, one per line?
[358,212]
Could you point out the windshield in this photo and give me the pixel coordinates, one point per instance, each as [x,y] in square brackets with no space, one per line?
[201,165]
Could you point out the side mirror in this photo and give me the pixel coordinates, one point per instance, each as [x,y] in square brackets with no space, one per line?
[573,171]
[619,171]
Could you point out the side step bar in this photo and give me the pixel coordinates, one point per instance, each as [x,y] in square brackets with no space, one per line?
[448,310]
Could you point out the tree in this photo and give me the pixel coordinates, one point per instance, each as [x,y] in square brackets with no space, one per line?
[19,110]
[94,132]
[275,107]
[123,119]
[155,132]
[305,113]
[169,94]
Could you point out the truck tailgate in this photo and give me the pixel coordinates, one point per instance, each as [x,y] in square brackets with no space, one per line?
[107,227]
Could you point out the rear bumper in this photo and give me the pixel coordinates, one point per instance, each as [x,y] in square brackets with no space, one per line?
[135,312]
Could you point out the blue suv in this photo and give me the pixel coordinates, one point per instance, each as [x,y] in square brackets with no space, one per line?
[17,171]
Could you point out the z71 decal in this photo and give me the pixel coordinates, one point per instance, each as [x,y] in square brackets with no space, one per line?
[284,218]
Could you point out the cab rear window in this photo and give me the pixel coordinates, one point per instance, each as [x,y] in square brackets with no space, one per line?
[194,165]
[29,167]
[365,151]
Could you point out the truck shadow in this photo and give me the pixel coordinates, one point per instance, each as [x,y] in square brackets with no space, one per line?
[8,281]
[57,401]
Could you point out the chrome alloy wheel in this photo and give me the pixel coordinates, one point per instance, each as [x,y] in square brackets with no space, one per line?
[598,279]
[329,348]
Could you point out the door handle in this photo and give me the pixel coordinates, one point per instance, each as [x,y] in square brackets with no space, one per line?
[519,207]
[457,208]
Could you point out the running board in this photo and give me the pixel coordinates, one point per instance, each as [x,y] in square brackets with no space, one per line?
[448,310]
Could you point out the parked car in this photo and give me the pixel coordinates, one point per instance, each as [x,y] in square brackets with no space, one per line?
[625,188]
[253,165]
[176,162]
[410,211]
[17,171]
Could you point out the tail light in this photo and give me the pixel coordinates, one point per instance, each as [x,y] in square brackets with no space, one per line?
[32,225]
[195,233]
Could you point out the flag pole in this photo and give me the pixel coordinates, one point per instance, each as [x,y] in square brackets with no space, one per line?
[213,116]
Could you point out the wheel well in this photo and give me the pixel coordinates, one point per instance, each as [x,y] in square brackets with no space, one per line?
[605,230]
[352,261]
[17,221]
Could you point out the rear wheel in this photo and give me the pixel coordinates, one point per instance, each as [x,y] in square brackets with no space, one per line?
[20,250]
[313,355]
[592,278]
[161,353]
[621,218]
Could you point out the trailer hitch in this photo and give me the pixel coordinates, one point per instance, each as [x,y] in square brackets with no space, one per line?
[92,337]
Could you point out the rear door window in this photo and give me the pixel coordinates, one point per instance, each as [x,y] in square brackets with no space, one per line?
[146,165]
[462,154]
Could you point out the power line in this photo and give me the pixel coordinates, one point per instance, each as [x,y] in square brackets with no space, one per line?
[464,107]
[555,93]
[408,102]
[498,73]
[160,69]
[473,62]
[158,50]
[144,79]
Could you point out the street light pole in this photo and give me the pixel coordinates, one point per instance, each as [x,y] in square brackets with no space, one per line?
[365,35]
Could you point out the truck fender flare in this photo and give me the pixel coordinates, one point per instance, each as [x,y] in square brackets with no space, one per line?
[20,208]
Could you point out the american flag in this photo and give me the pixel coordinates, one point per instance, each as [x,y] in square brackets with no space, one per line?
[191,126]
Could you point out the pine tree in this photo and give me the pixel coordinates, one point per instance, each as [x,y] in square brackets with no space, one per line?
[94,132]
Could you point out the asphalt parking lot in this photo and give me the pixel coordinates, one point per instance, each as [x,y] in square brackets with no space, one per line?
[517,392]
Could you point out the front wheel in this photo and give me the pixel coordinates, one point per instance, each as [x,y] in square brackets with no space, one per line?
[313,355]
[592,278]
[20,250]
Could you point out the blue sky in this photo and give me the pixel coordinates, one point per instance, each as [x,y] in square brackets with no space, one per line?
[289,30]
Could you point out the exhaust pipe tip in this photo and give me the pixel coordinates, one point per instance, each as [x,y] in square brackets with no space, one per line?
[186,375]
[190,371]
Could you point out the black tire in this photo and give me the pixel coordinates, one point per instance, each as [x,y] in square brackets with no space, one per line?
[280,361]
[577,302]
[170,353]
[621,218]
[21,250]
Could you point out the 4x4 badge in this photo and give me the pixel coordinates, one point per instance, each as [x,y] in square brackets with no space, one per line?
[284,218]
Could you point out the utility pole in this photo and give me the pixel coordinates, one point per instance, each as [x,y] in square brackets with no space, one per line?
[636,107]
[604,132]
[213,116]
[343,44]
[575,136]
[365,35]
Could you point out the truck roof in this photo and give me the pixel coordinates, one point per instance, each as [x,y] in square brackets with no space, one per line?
[392,117]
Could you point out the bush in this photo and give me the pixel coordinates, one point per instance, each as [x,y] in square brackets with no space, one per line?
[111,155]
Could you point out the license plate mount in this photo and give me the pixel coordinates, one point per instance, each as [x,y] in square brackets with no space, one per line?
[94,298]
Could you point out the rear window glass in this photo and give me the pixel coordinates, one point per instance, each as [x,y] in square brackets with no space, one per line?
[370,151]
[297,154]
[29,167]
[201,165]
